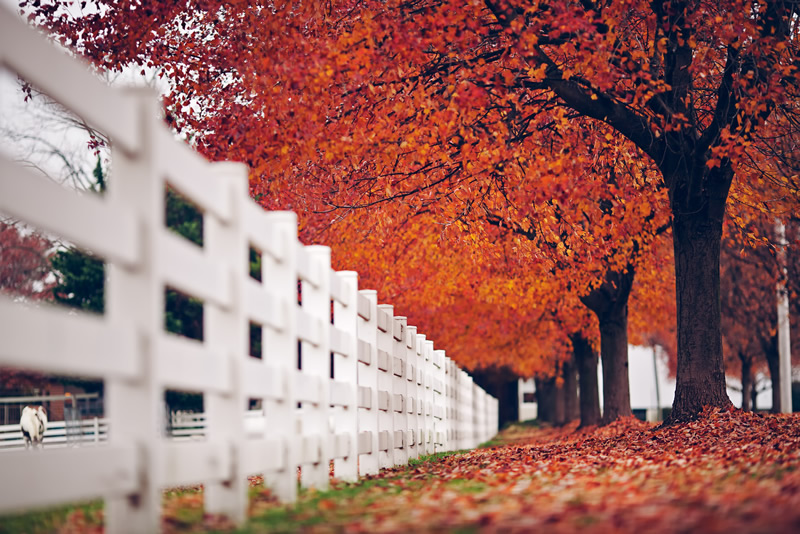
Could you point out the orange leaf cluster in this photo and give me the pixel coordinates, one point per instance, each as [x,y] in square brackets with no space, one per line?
[499,121]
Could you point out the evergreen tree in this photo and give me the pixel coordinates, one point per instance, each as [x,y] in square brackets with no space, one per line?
[81,276]
[80,280]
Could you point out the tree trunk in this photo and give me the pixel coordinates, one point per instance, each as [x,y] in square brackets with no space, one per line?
[614,351]
[503,384]
[774,364]
[700,379]
[571,405]
[747,381]
[609,302]
[559,404]
[586,362]
[545,397]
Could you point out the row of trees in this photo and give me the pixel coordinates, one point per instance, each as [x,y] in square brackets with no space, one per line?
[525,164]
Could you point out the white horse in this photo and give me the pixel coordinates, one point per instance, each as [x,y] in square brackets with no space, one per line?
[33,423]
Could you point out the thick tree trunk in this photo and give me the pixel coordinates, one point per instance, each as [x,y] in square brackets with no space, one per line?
[774,364]
[571,406]
[586,362]
[508,400]
[501,383]
[546,399]
[609,302]
[614,351]
[747,381]
[700,379]
[559,405]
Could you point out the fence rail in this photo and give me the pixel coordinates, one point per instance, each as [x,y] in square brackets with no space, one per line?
[89,404]
[372,391]
[93,430]
[58,434]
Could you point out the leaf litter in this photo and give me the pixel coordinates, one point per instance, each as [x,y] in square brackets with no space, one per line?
[727,472]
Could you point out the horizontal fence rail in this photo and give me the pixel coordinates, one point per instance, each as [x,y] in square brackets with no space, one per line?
[58,434]
[342,379]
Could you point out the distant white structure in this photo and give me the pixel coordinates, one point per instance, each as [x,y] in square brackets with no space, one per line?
[764,398]
[650,385]
[528,409]
[643,382]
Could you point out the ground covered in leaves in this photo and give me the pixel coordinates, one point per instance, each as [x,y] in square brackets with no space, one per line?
[727,472]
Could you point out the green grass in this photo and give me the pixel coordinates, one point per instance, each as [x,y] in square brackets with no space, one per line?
[314,507]
[432,458]
[47,520]
[338,505]
[466,486]
[528,423]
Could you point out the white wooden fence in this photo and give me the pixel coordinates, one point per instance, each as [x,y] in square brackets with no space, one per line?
[392,397]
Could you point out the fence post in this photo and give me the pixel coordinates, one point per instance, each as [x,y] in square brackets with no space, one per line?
[434,421]
[414,429]
[227,335]
[495,416]
[368,383]
[279,348]
[135,295]
[385,418]
[465,417]
[425,396]
[455,421]
[484,416]
[345,372]
[317,430]
[399,396]
[457,415]
[449,408]
[439,405]
[477,414]
[458,397]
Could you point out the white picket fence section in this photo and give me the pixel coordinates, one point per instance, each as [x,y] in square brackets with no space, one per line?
[392,397]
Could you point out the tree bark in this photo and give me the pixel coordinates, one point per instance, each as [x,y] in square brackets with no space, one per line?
[501,383]
[571,403]
[609,302]
[774,363]
[614,351]
[559,404]
[747,381]
[545,397]
[586,362]
[700,379]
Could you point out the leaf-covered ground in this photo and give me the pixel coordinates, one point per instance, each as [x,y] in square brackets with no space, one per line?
[728,472]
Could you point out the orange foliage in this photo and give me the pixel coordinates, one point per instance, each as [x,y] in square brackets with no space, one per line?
[527,148]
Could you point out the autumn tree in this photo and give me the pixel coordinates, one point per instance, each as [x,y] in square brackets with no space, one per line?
[750,273]
[478,296]
[598,244]
[24,265]
[352,104]
[24,273]
[689,84]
